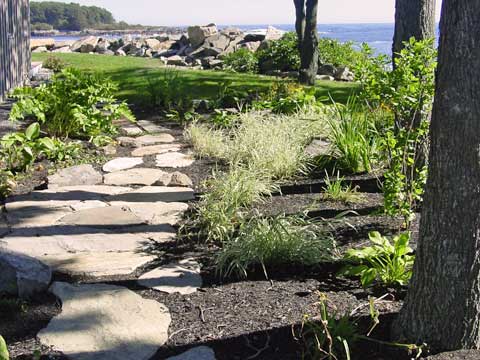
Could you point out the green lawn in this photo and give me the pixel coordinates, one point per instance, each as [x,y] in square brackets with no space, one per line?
[131,74]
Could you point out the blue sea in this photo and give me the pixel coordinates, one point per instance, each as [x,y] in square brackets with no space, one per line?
[378,36]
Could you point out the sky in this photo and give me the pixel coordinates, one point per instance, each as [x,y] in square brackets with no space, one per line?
[243,12]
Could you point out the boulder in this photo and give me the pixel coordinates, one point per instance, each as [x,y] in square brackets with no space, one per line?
[40,49]
[211,62]
[232,32]
[46,43]
[254,37]
[252,46]
[76,175]
[344,74]
[102,46]
[219,41]
[457,355]
[85,45]
[61,44]
[153,44]
[22,276]
[62,50]
[120,52]
[325,78]
[327,69]
[274,33]
[177,61]
[198,34]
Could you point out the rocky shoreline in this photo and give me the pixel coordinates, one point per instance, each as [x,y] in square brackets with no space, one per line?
[200,47]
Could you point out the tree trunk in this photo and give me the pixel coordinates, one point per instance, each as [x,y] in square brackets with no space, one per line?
[442,308]
[413,18]
[306,26]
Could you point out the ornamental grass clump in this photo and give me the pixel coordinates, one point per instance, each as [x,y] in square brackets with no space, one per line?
[206,141]
[280,241]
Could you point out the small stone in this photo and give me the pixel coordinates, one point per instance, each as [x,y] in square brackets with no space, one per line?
[156,149]
[75,175]
[154,194]
[180,179]
[138,176]
[101,321]
[151,127]
[123,163]
[182,277]
[174,160]
[22,276]
[197,353]
[105,218]
[317,148]
[131,130]
[110,150]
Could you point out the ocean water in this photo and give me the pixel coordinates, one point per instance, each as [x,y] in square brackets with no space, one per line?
[378,36]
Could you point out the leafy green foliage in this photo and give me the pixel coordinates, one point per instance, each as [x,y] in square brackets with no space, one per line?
[390,264]
[275,242]
[329,336]
[407,92]
[242,61]
[281,55]
[70,105]
[20,150]
[337,191]
[332,51]
[354,138]
[68,16]
[54,63]
[4,355]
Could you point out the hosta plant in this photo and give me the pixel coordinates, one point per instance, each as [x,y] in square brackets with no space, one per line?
[3,349]
[74,104]
[388,262]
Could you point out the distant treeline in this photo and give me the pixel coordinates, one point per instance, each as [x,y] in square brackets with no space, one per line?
[61,16]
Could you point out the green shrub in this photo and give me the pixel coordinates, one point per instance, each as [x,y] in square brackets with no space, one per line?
[353,137]
[54,63]
[390,264]
[70,105]
[281,55]
[275,242]
[3,349]
[242,61]
[334,52]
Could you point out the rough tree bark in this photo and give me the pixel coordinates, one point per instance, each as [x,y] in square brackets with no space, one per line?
[306,26]
[413,18]
[443,303]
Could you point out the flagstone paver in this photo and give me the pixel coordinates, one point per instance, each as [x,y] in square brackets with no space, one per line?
[174,160]
[75,175]
[109,217]
[197,353]
[105,322]
[156,149]
[154,194]
[138,176]
[155,213]
[151,127]
[182,277]
[123,163]
[146,140]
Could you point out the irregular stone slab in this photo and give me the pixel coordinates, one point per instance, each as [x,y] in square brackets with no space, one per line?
[151,127]
[76,175]
[146,140]
[156,149]
[123,163]
[105,322]
[131,130]
[138,176]
[317,148]
[182,277]
[22,276]
[155,213]
[89,204]
[108,218]
[180,179]
[154,194]
[197,353]
[60,240]
[36,216]
[97,264]
[174,160]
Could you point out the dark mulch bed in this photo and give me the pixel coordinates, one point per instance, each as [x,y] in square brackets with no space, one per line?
[243,319]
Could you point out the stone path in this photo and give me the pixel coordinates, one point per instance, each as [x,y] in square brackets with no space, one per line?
[101,223]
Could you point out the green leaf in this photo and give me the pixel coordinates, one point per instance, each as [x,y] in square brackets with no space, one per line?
[368,277]
[33,131]
[4,355]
